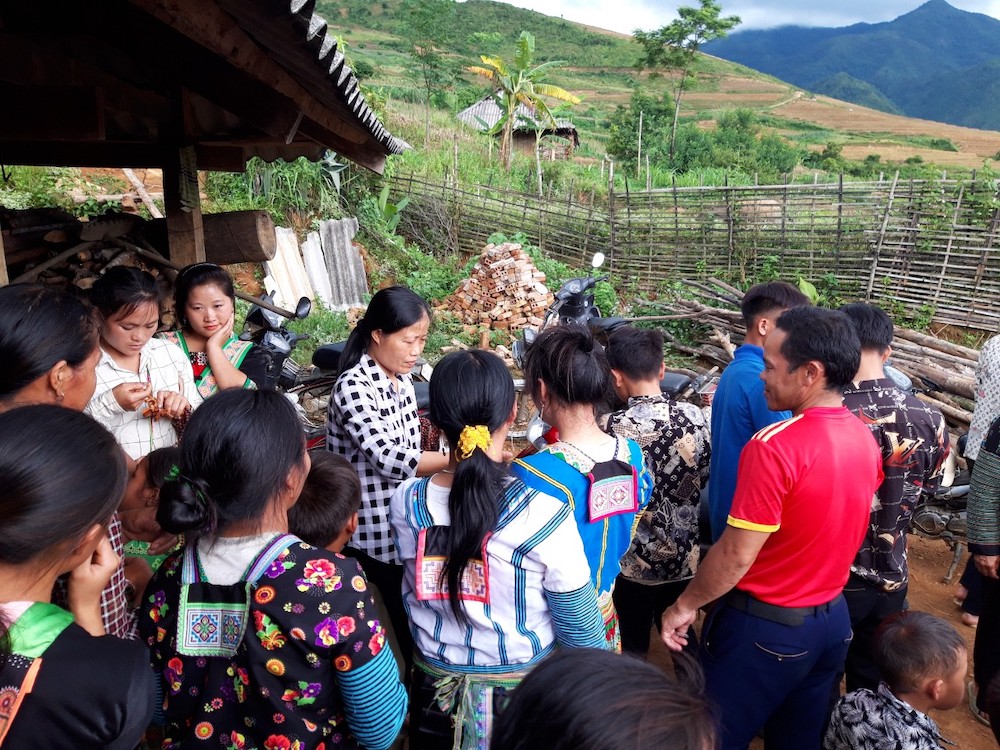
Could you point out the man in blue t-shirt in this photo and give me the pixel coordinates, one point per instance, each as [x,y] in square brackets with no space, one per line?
[739,409]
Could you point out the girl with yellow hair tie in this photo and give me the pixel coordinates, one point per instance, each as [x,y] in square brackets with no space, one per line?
[495,574]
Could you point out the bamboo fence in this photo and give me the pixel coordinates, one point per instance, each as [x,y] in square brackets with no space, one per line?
[923,249]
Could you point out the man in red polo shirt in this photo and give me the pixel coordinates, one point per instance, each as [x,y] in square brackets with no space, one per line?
[778,635]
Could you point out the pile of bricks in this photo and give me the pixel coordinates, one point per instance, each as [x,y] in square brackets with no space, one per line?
[505,291]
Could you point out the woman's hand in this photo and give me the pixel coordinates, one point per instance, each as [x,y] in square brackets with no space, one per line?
[171,404]
[86,582]
[130,396]
[220,337]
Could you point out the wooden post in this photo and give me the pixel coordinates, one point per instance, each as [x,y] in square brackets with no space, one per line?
[185,233]
[4,278]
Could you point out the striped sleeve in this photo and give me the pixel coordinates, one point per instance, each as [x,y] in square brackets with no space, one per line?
[577,618]
[374,701]
[984,502]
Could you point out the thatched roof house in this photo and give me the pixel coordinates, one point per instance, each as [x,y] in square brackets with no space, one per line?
[486,113]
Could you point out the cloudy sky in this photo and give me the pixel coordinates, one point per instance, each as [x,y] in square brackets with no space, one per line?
[627,15]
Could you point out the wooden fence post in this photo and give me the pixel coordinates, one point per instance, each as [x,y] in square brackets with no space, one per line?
[881,236]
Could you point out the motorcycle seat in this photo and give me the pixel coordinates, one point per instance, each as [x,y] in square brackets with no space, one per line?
[327,357]
[673,383]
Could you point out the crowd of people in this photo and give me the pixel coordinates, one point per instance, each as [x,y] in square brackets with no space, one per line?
[450,593]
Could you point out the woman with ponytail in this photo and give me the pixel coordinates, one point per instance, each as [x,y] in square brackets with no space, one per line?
[602,478]
[495,573]
[65,683]
[373,423]
[259,639]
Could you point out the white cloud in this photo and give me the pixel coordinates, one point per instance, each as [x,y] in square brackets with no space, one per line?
[627,15]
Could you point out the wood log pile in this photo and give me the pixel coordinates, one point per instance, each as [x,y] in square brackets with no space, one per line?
[945,370]
[505,291]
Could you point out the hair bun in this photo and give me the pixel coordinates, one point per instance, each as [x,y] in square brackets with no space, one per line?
[183,506]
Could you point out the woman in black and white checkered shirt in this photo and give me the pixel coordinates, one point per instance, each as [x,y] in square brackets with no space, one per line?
[372,422]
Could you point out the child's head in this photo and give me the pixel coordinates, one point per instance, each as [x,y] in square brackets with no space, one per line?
[554,707]
[326,513]
[128,300]
[918,653]
[142,493]
[243,461]
[766,302]
[204,298]
[635,356]
[572,366]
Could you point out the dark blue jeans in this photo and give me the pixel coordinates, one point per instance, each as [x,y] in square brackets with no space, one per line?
[764,674]
[868,605]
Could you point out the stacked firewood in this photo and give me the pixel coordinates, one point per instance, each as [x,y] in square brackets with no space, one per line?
[944,369]
[505,291]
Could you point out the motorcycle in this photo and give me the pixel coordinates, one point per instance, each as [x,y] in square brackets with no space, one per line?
[573,305]
[267,326]
[941,514]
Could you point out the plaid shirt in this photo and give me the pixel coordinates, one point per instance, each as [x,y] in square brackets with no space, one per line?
[116,612]
[375,426]
[162,365]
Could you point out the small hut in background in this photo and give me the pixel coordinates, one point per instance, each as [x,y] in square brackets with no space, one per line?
[557,142]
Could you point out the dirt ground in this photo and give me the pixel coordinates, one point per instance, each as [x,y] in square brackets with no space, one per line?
[929,561]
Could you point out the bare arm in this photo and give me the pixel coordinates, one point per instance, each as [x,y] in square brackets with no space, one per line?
[723,567]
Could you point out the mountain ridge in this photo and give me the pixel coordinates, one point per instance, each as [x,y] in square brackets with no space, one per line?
[899,59]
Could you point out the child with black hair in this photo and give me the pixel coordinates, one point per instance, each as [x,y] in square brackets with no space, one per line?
[639,706]
[259,639]
[495,574]
[144,385]
[663,555]
[923,661]
[326,513]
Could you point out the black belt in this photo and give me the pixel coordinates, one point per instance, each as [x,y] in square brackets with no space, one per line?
[744,602]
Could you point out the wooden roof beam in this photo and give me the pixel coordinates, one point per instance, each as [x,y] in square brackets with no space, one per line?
[208,25]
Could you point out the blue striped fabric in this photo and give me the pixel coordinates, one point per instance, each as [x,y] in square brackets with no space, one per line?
[376,688]
[578,619]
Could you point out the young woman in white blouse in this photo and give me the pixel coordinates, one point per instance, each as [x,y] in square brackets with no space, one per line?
[372,422]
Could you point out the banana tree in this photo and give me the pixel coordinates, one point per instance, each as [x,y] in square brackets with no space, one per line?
[518,83]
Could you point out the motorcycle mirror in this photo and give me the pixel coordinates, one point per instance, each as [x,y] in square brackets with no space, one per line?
[303,309]
[598,260]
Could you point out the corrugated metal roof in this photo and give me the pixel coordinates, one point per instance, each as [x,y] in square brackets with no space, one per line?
[311,52]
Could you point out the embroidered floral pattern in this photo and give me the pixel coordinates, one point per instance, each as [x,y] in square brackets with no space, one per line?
[269,694]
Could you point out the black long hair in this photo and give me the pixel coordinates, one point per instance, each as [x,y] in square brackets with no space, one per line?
[641,707]
[237,451]
[39,327]
[573,366]
[60,473]
[196,275]
[470,388]
[391,309]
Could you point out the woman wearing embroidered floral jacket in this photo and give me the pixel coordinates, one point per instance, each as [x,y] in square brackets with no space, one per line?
[260,640]
[495,574]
